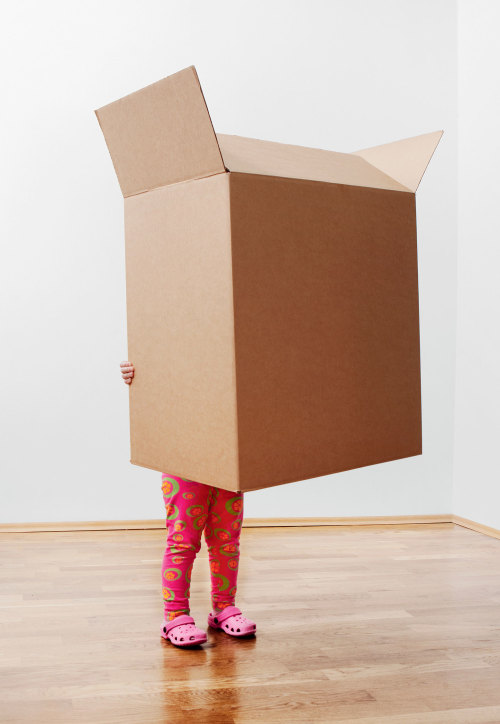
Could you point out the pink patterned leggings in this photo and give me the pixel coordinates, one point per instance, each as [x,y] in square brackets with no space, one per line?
[191,508]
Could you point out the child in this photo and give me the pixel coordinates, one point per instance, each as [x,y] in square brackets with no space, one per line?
[191,508]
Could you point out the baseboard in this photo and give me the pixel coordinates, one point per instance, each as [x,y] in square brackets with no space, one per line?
[366,520]
[478,527]
[247,523]
[251,523]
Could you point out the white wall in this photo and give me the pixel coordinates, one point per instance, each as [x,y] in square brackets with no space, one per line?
[477,418]
[337,74]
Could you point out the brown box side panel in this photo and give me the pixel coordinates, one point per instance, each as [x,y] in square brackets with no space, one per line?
[326,327]
[181,331]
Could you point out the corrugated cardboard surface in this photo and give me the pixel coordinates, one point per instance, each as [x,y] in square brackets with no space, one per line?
[273,315]
[404,160]
[251,155]
[161,134]
[326,327]
[181,331]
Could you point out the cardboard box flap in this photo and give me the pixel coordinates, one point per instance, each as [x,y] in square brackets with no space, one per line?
[404,160]
[253,156]
[161,134]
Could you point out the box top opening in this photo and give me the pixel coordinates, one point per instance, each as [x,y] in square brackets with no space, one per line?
[250,155]
[163,134]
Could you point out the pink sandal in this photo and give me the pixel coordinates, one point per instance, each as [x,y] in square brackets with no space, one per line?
[232,621]
[181,631]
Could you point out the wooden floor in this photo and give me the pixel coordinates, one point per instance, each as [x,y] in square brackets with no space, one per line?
[372,624]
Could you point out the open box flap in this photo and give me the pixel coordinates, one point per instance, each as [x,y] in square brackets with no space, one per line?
[404,160]
[253,156]
[161,134]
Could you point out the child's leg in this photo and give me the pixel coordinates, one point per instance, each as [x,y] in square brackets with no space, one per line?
[222,534]
[186,504]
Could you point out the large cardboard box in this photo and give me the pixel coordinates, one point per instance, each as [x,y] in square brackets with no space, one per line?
[272,295]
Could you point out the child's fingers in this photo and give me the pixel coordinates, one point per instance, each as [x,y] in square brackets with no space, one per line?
[127,370]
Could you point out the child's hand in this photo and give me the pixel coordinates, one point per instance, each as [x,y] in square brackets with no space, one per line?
[127,370]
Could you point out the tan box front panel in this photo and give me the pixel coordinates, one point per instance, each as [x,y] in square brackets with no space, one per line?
[181,331]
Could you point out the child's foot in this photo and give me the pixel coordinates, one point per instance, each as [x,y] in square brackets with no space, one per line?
[181,631]
[232,621]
